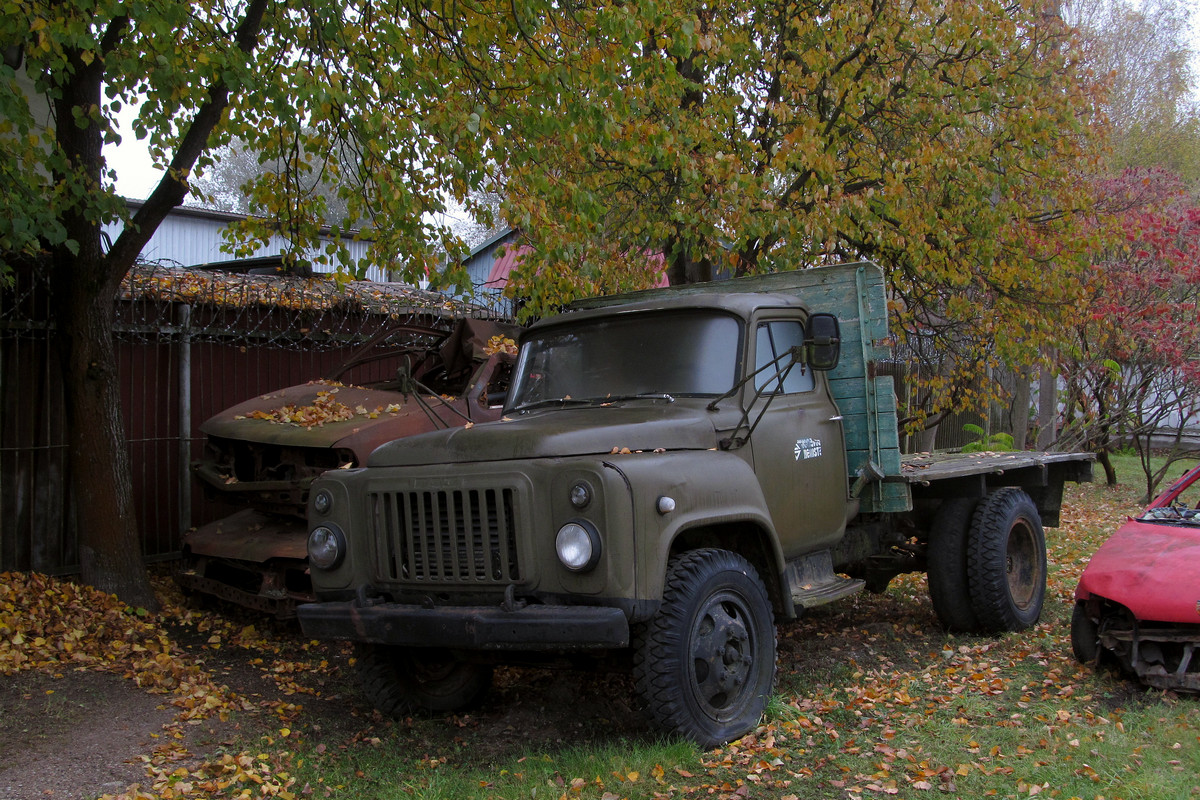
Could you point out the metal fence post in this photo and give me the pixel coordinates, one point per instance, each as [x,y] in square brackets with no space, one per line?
[185,416]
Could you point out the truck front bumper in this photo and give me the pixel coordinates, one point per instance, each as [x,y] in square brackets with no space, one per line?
[535,627]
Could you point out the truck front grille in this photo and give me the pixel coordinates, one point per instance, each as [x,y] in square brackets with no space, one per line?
[434,537]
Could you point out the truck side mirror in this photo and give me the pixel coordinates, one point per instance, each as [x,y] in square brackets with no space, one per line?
[824,341]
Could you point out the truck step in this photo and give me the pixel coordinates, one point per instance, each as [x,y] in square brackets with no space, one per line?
[824,593]
[812,581]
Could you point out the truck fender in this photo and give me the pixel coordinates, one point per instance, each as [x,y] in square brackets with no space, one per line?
[717,502]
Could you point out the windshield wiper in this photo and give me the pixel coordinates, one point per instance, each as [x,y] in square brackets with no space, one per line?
[617,398]
[554,401]
[595,401]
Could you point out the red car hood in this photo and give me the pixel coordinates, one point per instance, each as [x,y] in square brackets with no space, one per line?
[377,417]
[1151,568]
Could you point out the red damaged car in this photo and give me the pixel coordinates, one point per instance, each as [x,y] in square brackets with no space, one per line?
[1138,601]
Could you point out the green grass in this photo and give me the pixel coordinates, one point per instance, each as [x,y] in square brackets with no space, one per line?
[623,768]
[873,700]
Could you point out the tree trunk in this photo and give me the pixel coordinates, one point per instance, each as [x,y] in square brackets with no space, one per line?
[84,284]
[1020,408]
[1047,408]
[100,482]
[682,269]
[925,440]
[1110,472]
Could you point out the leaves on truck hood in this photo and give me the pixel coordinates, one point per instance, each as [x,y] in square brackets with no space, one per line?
[328,414]
[556,433]
[325,408]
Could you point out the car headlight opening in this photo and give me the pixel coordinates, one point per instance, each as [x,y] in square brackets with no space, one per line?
[326,547]
[578,545]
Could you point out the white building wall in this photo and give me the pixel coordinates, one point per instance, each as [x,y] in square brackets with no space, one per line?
[189,237]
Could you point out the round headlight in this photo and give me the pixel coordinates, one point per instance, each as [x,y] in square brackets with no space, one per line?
[326,547]
[578,546]
[322,502]
[581,495]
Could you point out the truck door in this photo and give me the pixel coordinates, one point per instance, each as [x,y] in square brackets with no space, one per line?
[798,449]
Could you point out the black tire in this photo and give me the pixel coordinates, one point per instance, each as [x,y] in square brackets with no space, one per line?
[1085,635]
[946,562]
[401,680]
[705,664]
[1006,561]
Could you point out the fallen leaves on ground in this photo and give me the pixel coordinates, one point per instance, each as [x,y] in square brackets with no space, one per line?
[864,734]
[54,625]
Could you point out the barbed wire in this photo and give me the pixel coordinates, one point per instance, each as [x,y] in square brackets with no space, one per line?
[158,302]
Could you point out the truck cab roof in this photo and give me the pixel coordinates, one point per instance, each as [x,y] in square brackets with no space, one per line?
[742,304]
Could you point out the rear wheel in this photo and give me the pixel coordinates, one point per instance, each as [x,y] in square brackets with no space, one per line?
[1006,561]
[705,664]
[946,562]
[403,680]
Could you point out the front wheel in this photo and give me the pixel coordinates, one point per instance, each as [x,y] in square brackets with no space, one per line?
[403,680]
[1006,561]
[705,664]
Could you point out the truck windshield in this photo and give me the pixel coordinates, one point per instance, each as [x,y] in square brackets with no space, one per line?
[677,353]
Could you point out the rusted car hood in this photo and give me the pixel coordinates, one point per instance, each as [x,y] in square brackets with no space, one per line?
[556,433]
[377,416]
[1150,568]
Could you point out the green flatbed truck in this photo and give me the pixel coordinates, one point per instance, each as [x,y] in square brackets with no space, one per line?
[674,471]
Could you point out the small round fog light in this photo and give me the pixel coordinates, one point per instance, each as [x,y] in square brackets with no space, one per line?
[581,495]
[578,546]
[326,547]
[322,502]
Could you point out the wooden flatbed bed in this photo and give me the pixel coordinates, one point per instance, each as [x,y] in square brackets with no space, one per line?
[1041,475]
[925,468]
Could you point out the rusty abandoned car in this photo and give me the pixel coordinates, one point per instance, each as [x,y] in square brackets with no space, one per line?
[262,455]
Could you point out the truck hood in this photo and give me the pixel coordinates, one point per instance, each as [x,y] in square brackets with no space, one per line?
[554,433]
[375,417]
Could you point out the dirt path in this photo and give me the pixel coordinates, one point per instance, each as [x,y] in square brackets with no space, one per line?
[82,733]
[76,736]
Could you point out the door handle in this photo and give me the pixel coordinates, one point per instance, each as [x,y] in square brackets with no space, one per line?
[837,418]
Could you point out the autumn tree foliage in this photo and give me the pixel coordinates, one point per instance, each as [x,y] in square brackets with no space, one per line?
[1133,370]
[1141,52]
[941,140]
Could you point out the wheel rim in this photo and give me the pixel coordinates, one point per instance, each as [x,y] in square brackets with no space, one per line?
[1022,565]
[432,672]
[439,674]
[721,667]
